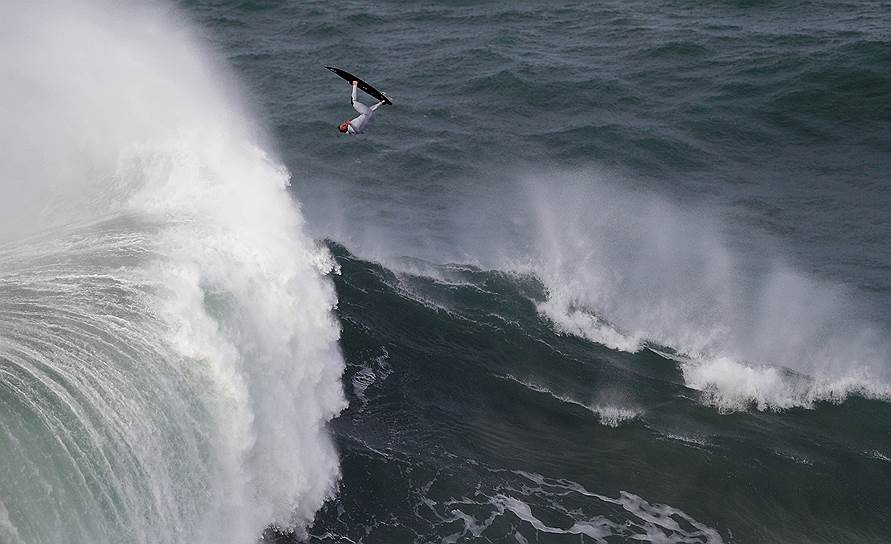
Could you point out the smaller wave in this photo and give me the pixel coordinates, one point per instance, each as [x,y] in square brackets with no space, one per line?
[724,383]
[627,269]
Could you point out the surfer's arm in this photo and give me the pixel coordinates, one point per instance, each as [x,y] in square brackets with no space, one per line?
[376,106]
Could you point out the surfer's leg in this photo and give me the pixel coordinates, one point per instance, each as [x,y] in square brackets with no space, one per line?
[360,107]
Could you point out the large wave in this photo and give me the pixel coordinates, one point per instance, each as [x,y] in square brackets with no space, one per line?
[168,353]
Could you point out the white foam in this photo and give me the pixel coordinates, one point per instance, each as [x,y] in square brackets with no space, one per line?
[583,513]
[732,386]
[570,320]
[8,531]
[187,361]
[876,454]
[597,529]
[794,457]
[693,440]
[614,416]
[649,522]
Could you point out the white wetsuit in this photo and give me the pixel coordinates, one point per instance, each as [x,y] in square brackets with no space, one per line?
[358,124]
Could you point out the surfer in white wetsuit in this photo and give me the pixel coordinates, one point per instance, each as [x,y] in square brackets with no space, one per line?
[357,125]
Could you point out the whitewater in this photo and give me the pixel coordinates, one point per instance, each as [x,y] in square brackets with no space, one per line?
[168,352]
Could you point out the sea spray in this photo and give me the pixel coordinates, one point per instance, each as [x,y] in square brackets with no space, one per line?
[627,269]
[168,355]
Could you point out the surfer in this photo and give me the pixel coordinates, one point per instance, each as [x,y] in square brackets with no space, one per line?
[357,125]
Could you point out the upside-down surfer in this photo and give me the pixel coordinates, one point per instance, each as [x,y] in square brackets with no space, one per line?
[357,125]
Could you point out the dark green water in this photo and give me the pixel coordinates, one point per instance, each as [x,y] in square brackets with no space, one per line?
[672,320]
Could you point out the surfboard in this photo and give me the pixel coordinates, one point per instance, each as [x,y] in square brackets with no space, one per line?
[360,84]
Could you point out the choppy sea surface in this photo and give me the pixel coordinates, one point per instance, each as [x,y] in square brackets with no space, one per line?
[610,272]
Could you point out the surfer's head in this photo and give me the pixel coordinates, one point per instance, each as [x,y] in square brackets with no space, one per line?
[344,126]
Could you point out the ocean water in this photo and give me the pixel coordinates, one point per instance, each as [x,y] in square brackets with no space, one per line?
[610,272]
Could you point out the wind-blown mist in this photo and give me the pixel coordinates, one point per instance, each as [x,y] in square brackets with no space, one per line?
[629,269]
[168,356]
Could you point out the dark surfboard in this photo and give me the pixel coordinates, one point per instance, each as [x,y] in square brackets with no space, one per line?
[361,84]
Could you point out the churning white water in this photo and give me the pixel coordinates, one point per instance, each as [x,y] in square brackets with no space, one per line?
[168,352]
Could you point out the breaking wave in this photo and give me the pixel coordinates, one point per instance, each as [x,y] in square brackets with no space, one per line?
[630,270]
[168,353]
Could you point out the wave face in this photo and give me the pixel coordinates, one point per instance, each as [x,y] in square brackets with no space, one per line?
[168,355]
[471,418]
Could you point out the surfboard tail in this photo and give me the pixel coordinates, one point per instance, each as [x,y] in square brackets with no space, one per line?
[366,87]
